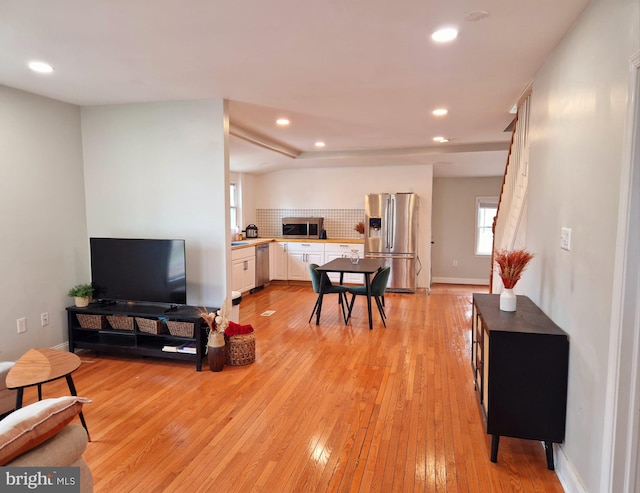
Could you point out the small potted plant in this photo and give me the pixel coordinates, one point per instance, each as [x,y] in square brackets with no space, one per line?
[81,294]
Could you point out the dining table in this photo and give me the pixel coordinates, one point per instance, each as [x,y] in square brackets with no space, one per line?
[342,265]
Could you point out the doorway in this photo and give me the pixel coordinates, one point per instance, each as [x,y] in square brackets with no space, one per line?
[621,457]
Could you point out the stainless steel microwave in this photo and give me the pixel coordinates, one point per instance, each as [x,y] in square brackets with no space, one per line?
[302,227]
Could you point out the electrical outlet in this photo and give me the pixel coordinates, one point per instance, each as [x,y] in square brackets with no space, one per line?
[565,239]
[455,263]
[44,319]
[22,325]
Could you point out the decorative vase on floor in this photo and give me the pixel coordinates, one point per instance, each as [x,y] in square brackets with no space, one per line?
[216,352]
[508,300]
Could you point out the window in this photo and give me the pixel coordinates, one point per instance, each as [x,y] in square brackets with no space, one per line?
[233,205]
[486,208]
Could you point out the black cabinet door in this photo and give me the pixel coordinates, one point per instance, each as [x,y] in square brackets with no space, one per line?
[527,392]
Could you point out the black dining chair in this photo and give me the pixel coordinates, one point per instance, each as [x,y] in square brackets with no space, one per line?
[378,288]
[329,288]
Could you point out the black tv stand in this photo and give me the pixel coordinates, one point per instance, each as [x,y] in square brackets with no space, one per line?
[103,336]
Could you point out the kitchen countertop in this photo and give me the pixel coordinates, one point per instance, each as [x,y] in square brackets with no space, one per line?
[249,242]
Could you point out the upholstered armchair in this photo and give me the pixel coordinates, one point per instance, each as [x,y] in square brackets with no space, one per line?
[7,397]
[42,434]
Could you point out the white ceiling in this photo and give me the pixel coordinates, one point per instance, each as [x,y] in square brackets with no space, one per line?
[361,75]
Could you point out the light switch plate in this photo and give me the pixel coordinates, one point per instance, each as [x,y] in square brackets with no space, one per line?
[565,239]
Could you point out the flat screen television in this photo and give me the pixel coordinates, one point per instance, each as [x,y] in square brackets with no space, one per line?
[139,270]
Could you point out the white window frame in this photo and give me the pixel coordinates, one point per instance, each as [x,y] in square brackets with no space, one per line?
[481,204]
[233,205]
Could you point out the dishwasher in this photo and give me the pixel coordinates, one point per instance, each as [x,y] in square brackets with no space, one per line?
[262,266]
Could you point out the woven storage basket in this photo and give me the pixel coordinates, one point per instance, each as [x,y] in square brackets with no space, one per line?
[241,349]
[181,329]
[150,326]
[91,321]
[120,322]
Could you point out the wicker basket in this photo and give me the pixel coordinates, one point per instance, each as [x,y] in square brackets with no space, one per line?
[180,329]
[241,349]
[150,326]
[96,322]
[120,322]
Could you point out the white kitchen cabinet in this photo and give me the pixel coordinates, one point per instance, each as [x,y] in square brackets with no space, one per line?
[278,261]
[337,250]
[243,269]
[300,255]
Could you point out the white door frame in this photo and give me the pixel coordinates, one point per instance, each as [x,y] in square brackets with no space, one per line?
[620,458]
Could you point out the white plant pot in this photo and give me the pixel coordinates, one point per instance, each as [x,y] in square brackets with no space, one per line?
[508,300]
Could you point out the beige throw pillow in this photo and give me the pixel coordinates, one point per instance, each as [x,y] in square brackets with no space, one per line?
[31,425]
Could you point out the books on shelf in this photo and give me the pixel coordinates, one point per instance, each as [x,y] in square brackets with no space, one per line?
[189,348]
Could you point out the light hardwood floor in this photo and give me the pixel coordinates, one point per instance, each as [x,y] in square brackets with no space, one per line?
[324,408]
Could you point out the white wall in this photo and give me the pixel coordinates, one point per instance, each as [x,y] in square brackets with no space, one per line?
[454,226]
[248,198]
[339,188]
[160,170]
[579,101]
[345,188]
[44,249]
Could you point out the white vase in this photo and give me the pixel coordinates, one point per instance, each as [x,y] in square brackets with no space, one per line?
[508,300]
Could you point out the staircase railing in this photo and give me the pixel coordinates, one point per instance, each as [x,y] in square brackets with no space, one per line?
[510,221]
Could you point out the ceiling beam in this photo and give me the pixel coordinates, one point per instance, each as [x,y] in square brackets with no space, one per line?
[407,151]
[262,141]
[445,148]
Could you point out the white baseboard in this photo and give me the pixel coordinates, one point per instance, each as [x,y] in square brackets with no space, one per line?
[62,347]
[459,280]
[567,475]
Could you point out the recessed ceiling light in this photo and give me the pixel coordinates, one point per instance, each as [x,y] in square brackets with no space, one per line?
[440,112]
[282,121]
[445,34]
[41,67]
[441,139]
[319,144]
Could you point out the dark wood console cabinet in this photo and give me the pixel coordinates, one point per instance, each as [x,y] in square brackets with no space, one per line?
[134,341]
[520,363]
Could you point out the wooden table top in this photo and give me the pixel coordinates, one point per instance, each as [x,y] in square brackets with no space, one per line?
[39,366]
[344,264]
[527,318]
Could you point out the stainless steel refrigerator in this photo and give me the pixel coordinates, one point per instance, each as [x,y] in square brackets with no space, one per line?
[391,234]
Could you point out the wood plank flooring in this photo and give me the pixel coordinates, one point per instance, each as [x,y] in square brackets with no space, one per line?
[327,408]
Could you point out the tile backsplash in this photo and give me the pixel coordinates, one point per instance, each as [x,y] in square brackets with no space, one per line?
[338,223]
